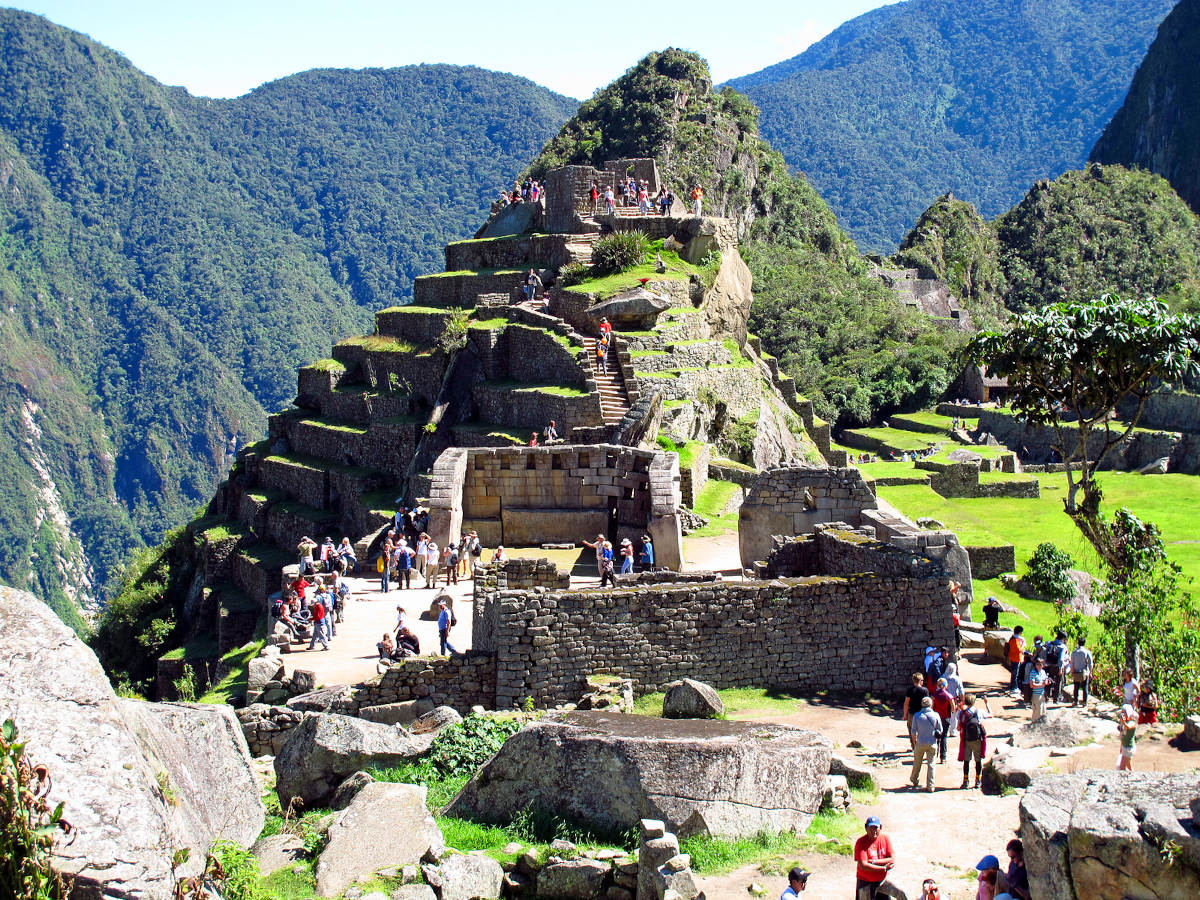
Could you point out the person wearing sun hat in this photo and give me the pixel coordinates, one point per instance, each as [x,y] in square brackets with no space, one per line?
[989,871]
[626,556]
[874,858]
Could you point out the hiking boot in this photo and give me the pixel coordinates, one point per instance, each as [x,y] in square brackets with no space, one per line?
[964,784]
[976,784]
[929,790]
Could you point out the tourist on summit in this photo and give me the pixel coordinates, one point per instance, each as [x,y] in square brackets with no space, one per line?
[1016,646]
[533,284]
[1127,728]
[912,702]
[1147,704]
[432,560]
[646,556]
[446,620]
[305,550]
[989,870]
[797,882]
[1017,875]
[626,556]
[926,730]
[873,858]
[972,736]
[943,705]
[697,200]
[1081,673]
[402,563]
[1038,682]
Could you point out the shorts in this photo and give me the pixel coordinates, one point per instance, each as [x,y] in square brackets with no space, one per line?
[1127,752]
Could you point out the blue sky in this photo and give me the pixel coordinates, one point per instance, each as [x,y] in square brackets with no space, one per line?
[223,49]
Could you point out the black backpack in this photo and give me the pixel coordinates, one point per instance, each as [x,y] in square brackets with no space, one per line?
[972,727]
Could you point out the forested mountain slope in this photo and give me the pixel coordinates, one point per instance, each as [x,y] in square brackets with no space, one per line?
[167,261]
[977,97]
[1158,127]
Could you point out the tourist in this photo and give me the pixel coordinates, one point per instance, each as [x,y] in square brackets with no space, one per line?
[598,546]
[499,557]
[327,554]
[646,556]
[972,736]
[419,558]
[797,882]
[346,552]
[450,559]
[991,613]
[1081,673]
[930,890]
[874,858]
[385,567]
[533,284]
[401,619]
[533,442]
[1038,681]
[1016,646]
[594,195]
[935,668]
[551,434]
[1056,661]
[1129,686]
[626,556]
[912,702]
[476,549]
[954,687]
[1127,728]
[1147,704]
[402,563]
[605,327]
[602,353]
[697,200]
[319,617]
[432,560]
[407,643]
[386,647]
[1026,669]
[606,565]
[943,706]
[305,550]
[609,203]
[925,731]
[1017,876]
[446,620]
[464,555]
[989,869]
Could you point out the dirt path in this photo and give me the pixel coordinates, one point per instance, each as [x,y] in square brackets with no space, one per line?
[940,835]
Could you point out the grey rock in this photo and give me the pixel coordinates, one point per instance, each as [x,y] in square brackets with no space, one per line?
[675,876]
[138,780]
[560,846]
[303,681]
[857,774]
[414,892]
[635,306]
[609,771]
[435,720]
[1191,730]
[689,699]
[656,848]
[348,789]
[1061,727]
[375,895]
[518,884]
[278,851]
[1015,768]
[325,748]
[261,670]
[470,877]
[573,879]
[328,699]
[385,825]
[403,713]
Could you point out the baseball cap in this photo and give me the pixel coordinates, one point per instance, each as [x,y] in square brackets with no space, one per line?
[988,862]
[797,874]
[874,821]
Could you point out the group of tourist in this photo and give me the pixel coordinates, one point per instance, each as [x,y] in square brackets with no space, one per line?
[548,438]
[606,557]
[406,644]
[875,857]
[326,557]
[861,459]
[398,560]
[934,716]
[912,455]
[630,192]
[527,191]
[312,608]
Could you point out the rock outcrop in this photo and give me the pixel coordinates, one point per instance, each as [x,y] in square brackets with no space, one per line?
[690,699]
[1112,834]
[138,780]
[325,748]
[609,771]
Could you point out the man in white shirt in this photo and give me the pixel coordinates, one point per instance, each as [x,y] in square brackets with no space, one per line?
[432,562]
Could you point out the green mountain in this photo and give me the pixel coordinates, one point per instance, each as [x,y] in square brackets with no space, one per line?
[853,350]
[166,261]
[977,97]
[1105,229]
[1158,127]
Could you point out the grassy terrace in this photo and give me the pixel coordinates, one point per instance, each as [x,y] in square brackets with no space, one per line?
[555,390]
[492,430]
[898,440]
[381,343]
[467,272]
[328,365]
[303,461]
[714,497]
[437,310]
[330,424]
[678,269]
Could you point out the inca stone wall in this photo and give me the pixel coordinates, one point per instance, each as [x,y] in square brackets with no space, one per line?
[461,289]
[860,631]
[534,355]
[528,407]
[962,480]
[992,562]
[568,189]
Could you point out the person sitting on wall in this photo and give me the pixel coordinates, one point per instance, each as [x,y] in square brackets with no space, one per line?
[551,434]
[533,439]
[407,643]
[386,647]
[499,557]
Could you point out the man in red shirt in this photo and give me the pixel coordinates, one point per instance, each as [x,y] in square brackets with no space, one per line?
[319,617]
[943,705]
[873,854]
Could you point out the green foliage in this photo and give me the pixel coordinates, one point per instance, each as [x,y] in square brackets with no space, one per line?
[572,274]
[185,685]
[667,444]
[909,101]
[1048,573]
[1140,134]
[464,747]
[454,332]
[27,824]
[237,875]
[620,251]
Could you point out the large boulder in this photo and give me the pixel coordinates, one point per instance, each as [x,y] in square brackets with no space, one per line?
[324,748]
[435,720]
[688,699]
[336,698]
[278,850]
[635,308]
[1112,834]
[404,712]
[470,876]
[609,771]
[1062,727]
[573,879]
[138,780]
[385,826]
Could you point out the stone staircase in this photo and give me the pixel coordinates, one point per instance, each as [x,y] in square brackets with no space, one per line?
[579,248]
[614,400]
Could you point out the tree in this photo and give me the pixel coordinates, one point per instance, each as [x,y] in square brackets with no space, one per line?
[1069,366]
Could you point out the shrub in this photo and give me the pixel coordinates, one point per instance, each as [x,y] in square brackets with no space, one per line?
[27,824]
[572,273]
[619,252]
[1048,573]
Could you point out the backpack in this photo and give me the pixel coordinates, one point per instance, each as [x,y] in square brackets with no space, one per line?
[453,619]
[972,727]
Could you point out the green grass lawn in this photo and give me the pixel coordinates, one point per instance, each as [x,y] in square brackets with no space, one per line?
[900,440]
[738,702]
[927,417]
[714,497]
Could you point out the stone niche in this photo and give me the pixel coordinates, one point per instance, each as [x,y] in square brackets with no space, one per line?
[608,771]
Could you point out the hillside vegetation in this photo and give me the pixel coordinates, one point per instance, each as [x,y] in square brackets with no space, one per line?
[167,261]
[978,97]
[1158,126]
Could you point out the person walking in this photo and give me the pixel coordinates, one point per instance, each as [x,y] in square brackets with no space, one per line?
[797,882]
[1148,704]
[1038,680]
[606,565]
[646,557]
[533,284]
[972,736]
[626,556]
[954,687]
[446,621]
[385,568]
[1016,647]
[912,702]
[403,565]
[697,200]
[320,625]
[943,706]
[926,729]
[1127,728]
[1081,673]
[873,859]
